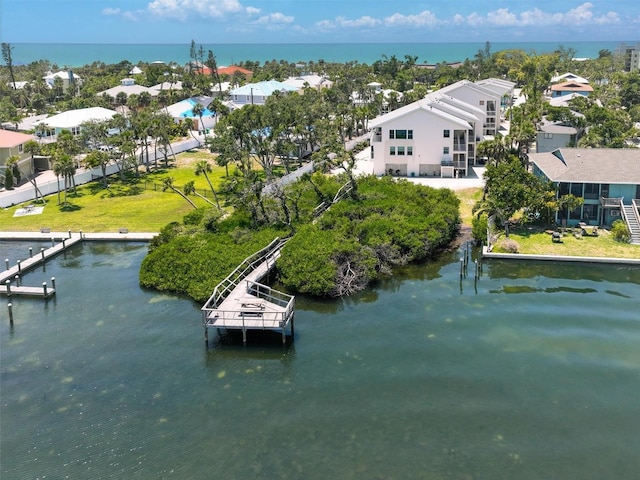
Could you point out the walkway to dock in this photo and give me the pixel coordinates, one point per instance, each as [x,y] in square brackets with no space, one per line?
[240,302]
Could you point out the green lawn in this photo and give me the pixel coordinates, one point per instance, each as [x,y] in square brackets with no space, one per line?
[535,241]
[95,209]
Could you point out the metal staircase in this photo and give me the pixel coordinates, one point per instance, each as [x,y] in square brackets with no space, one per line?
[632,219]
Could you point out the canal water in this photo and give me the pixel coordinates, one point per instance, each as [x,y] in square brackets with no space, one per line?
[531,372]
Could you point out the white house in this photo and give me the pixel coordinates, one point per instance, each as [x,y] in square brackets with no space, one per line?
[257,93]
[183,110]
[73,119]
[312,81]
[67,78]
[489,95]
[129,87]
[437,135]
[568,77]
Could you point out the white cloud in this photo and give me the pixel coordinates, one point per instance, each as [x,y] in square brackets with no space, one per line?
[126,14]
[111,11]
[184,9]
[274,19]
[423,19]
[503,17]
[365,21]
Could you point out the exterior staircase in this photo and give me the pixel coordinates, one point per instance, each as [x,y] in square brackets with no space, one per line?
[632,219]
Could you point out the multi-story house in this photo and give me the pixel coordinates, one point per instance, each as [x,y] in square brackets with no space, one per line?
[608,179]
[437,135]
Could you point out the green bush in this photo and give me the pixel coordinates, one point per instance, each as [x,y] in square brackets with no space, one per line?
[620,231]
[479,225]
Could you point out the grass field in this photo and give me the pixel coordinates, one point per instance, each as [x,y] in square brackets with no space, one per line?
[140,207]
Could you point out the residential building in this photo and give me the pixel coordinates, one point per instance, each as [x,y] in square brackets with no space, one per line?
[553,135]
[12,144]
[608,179]
[568,77]
[438,135]
[183,110]
[257,93]
[232,70]
[73,119]
[67,78]
[631,57]
[128,87]
[301,82]
[569,87]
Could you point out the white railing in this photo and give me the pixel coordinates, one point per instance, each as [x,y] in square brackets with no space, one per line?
[242,271]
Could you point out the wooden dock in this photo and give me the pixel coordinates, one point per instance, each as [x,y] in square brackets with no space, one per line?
[241,302]
[37,258]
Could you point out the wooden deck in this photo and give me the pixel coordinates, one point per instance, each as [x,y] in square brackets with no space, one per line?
[20,268]
[241,302]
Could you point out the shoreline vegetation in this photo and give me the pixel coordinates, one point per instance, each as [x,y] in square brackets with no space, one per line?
[219,198]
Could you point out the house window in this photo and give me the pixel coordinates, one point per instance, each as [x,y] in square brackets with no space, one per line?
[20,148]
[410,152]
[401,134]
[400,150]
[481,102]
[445,150]
[576,189]
[604,190]
[590,212]
[75,130]
[591,191]
[563,189]
[392,150]
[447,133]
[372,156]
[548,136]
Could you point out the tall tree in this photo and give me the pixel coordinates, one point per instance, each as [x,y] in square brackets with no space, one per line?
[7,56]
[204,168]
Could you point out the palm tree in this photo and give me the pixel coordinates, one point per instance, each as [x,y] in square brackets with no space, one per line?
[198,111]
[167,183]
[190,189]
[65,167]
[203,167]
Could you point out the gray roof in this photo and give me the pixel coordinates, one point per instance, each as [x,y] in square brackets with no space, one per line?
[557,129]
[590,165]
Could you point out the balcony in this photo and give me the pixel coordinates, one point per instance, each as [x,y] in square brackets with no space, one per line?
[459,146]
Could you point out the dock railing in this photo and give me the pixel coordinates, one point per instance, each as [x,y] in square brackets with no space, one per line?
[267,256]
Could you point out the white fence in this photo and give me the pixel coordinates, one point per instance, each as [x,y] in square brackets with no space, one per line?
[27,193]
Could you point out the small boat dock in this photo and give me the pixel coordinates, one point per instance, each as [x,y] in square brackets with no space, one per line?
[241,302]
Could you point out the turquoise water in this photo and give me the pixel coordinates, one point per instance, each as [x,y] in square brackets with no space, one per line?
[531,372]
[74,55]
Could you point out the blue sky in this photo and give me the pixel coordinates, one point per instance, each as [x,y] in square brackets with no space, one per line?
[315,21]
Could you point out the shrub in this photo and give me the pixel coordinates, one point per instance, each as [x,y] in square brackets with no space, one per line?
[479,225]
[508,245]
[620,232]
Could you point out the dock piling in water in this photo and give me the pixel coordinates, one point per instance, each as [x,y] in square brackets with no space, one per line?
[10,307]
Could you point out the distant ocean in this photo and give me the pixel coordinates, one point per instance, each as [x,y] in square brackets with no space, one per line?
[75,55]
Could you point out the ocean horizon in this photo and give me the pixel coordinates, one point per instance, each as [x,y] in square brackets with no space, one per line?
[68,55]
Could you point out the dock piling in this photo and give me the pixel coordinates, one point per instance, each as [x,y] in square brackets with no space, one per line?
[6,264]
[8,285]
[30,252]
[44,289]
[69,233]
[53,282]
[19,266]
[42,252]
[10,307]
[17,279]
[53,242]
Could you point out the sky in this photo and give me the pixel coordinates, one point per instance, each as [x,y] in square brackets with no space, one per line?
[316,21]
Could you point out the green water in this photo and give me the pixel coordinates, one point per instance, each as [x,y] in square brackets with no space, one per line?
[533,372]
